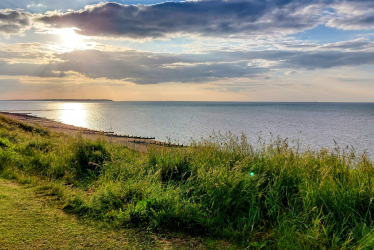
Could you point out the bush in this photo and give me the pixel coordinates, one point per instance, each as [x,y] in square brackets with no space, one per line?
[89,156]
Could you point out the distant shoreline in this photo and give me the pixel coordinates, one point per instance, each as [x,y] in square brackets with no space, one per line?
[213,102]
[63,100]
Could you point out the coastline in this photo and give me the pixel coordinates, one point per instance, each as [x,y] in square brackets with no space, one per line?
[137,143]
[58,100]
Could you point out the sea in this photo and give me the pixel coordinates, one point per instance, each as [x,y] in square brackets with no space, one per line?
[311,125]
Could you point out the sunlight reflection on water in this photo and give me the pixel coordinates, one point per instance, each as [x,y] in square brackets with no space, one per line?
[314,124]
[74,114]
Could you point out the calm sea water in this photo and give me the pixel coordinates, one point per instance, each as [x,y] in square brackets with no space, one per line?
[313,124]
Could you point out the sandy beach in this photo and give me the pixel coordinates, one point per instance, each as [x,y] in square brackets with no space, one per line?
[137,143]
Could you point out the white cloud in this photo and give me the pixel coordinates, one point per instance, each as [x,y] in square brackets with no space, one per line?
[292,72]
[36,5]
[353,15]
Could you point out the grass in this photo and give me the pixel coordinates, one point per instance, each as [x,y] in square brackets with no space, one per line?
[26,222]
[293,199]
[31,220]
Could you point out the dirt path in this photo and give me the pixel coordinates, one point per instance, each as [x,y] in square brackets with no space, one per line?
[29,220]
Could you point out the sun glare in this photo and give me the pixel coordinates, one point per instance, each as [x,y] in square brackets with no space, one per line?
[73,114]
[70,38]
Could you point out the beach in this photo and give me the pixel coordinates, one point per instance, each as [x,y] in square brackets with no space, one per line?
[137,143]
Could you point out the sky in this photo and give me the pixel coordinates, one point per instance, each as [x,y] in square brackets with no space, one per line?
[205,50]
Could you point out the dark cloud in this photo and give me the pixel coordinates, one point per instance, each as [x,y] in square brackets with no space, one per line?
[234,18]
[152,68]
[14,21]
[209,17]
[328,59]
[137,67]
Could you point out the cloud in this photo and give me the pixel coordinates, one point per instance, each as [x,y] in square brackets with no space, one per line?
[129,65]
[329,59]
[213,18]
[353,15]
[352,45]
[139,67]
[43,5]
[152,68]
[33,5]
[353,22]
[207,18]
[34,53]
[14,22]
[359,44]
[292,72]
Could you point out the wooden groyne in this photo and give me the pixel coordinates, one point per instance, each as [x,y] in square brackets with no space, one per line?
[57,125]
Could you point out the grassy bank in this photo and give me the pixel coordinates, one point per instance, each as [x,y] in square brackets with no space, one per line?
[274,197]
[31,220]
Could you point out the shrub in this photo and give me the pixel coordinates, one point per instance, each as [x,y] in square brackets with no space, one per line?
[89,156]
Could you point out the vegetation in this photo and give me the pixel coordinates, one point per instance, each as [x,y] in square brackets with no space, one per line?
[31,220]
[273,196]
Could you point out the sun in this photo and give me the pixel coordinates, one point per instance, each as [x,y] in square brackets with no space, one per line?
[69,37]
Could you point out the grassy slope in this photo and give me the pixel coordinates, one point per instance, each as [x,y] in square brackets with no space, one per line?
[31,216]
[28,221]
[293,200]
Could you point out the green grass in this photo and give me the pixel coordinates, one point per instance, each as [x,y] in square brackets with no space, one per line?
[31,220]
[294,199]
[26,222]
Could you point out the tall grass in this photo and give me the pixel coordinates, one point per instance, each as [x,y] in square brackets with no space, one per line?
[272,196]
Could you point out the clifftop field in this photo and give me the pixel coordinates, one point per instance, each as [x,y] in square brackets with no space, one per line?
[270,196]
